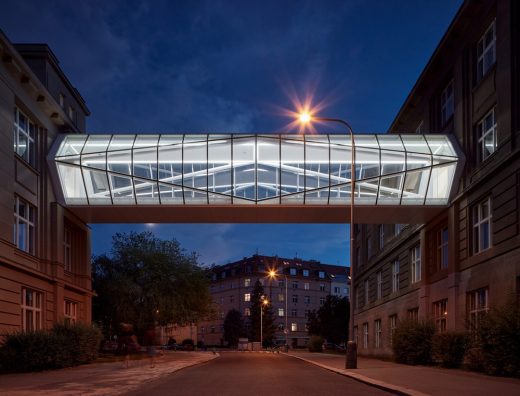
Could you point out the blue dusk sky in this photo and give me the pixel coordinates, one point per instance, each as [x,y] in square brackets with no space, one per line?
[235,66]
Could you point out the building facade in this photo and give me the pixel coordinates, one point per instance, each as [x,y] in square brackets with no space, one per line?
[466,261]
[44,249]
[299,287]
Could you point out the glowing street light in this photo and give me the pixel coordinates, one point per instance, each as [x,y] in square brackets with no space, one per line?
[306,118]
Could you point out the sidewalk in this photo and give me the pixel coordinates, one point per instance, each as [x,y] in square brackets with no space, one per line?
[415,380]
[99,378]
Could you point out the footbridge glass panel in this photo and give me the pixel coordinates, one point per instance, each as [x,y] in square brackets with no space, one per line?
[215,169]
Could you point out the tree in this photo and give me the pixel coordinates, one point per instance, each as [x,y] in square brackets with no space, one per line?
[267,319]
[147,280]
[233,327]
[331,320]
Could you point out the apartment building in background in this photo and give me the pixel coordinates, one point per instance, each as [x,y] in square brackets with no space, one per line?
[466,261]
[308,284]
[44,250]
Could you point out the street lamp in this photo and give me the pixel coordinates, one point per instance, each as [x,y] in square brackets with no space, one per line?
[273,274]
[305,118]
[265,301]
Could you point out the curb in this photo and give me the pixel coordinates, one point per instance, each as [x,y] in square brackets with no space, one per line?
[398,390]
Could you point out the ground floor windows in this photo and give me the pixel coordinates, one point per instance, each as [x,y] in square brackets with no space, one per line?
[477,306]
[294,326]
[392,321]
[70,312]
[378,333]
[31,305]
[365,335]
[413,314]
[440,313]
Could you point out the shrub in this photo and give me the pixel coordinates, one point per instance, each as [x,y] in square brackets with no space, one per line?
[497,339]
[316,344]
[412,342]
[449,348]
[63,346]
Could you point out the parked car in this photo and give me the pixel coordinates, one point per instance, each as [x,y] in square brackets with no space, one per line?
[330,346]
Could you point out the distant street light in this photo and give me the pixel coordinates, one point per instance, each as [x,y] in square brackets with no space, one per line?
[264,301]
[273,274]
[306,118]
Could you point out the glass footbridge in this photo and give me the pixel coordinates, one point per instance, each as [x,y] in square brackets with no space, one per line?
[254,178]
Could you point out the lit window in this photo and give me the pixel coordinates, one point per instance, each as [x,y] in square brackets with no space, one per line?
[280,312]
[281,297]
[366,291]
[482,226]
[24,230]
[477,303]
[486,51]
[306,286]
[67,249]
[395,276]
[247,296]
[31,305]
[392,319]
[378,333]
[24,137]
[379,285]
[447,106]
[442,248]
[305,272]
[247,282]
[440,313]
[365,335]
[415,260]
[487,135]
[294,326]
[247,311]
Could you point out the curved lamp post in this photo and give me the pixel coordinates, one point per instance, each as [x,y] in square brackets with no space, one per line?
[305,118]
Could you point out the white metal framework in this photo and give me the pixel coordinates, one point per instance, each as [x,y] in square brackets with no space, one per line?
[255,169]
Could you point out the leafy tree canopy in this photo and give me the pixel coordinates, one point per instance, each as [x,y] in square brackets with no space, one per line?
[331,320]
[148,280]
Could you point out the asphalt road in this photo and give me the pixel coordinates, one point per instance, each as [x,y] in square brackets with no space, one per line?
[249,373]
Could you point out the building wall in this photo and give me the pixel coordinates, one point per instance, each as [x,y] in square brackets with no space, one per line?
[42,268]
[496,268]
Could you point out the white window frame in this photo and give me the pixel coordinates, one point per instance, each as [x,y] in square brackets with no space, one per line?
[378,333]
[440,314]
[398,228]
[281,312]
[70,311]
[20,133]
[306,286]
[294,326]
[392,319]
[443,238]
[395,276]
[484,62]
[485,128]
[365,335]
[482,226]
[478,306]
[31,308]
[247,282]
[379,285]
[24,228]
[447,103]
[415,263]
[247,297]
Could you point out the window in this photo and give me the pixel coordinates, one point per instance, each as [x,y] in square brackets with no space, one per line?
[337,290]
[415,261]
[381,236]
[442,248]
[322,300]
[281,297]
[307,299]
[486,51]
[487,136]
[392,319]
[24,137]
[295,298]
[447,103]
[321,274]
[378,333]
[482,226]
[366,291]
[231,298]
[413,314]
[247,296]
[62,100]
[223,275]
[281,312]
[294,312]
[440,313]
[281,327]
[305,272]
[294,327]
[365,335]
[67,250]
[477,306]
[395,276]
[281,283]
[247,311]
[212,329]
[322,287]
[419,128]
[24,230]
[295,284]
[292,271]
[306,286]
[369,247]
[380,285]
[247,282]
[398,228]
[72,113]
[31,305]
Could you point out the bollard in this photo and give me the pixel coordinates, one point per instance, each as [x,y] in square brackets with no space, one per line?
[351,359]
